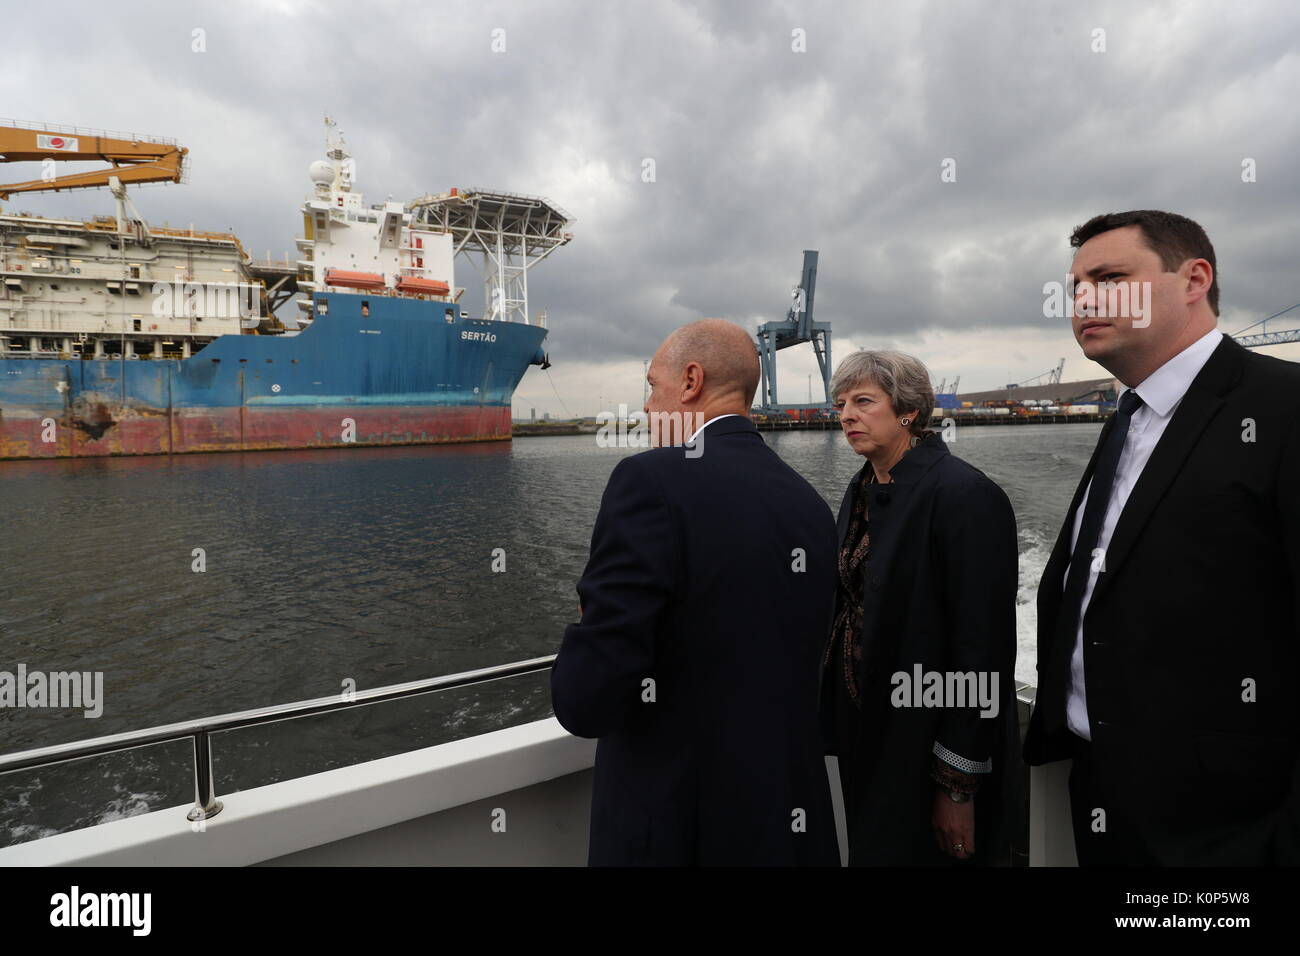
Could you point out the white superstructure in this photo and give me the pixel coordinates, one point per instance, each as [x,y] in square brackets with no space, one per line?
[349,246]
[70,288]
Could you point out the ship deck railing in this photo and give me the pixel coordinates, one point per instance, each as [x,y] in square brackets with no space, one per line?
[87,131]
[515,796]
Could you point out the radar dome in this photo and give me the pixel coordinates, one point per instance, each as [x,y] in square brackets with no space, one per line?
[321,172]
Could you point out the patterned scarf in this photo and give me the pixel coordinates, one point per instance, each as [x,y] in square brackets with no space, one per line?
[852,565]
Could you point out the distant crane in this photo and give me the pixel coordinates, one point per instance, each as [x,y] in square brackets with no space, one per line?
[1264,336]
[798,327]
[1052,375]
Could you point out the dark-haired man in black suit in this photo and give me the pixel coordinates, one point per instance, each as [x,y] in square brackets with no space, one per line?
[705,605]
[1169,612]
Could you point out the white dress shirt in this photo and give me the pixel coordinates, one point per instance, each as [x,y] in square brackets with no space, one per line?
[1161,393]
[691,440]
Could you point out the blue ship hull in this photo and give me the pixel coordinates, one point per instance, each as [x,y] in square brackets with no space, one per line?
[410,372]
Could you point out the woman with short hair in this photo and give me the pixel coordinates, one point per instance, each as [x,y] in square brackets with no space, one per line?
[918,690]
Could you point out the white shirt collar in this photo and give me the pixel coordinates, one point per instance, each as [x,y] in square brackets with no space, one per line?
[691,440]
[1165,387]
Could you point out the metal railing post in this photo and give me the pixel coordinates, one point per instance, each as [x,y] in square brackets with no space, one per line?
[206,804]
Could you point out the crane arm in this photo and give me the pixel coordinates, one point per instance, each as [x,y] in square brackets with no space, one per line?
[132,161]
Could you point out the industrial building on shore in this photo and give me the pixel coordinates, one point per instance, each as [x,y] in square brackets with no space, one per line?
[1095,391]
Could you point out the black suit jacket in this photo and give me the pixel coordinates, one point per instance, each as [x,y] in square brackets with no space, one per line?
[939,594]
[706,602]
[1190,640]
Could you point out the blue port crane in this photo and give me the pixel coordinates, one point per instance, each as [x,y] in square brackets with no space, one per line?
[1264,336]
[797,328]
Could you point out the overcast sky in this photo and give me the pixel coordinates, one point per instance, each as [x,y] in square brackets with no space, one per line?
[761,150]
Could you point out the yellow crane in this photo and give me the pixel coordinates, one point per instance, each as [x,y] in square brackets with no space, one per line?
[131,161]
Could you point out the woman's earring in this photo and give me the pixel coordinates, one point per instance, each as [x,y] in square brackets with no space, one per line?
[905,421]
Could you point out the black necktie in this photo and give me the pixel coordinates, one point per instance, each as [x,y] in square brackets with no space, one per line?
[1094,514]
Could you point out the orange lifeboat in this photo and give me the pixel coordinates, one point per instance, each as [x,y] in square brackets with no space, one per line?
[353,280]
[422,286]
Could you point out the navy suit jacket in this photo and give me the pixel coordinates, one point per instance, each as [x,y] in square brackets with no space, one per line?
[1191,640]
[706,603]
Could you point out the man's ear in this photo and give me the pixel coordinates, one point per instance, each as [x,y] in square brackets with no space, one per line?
[692,380]
[1200,276]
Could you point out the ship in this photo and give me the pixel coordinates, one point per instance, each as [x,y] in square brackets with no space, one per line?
[122,338]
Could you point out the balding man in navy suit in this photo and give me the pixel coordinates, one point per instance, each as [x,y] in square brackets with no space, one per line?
[706,605]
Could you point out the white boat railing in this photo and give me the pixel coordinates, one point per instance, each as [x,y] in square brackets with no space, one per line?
[206,804]
[371,811]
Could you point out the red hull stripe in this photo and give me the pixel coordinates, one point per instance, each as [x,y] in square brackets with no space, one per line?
[251,428]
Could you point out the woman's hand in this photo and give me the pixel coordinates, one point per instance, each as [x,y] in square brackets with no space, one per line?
[953,825]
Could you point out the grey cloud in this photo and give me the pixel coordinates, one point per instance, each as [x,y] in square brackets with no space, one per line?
[760,152]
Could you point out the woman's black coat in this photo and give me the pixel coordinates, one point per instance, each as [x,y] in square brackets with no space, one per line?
[939,591]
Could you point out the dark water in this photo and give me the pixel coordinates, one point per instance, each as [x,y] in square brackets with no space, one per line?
[370,565]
